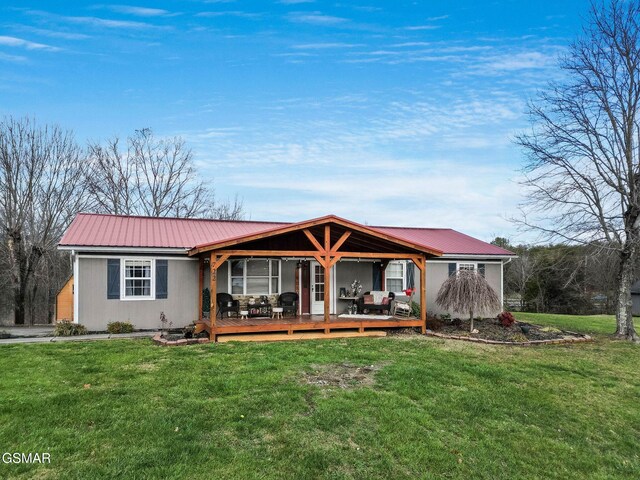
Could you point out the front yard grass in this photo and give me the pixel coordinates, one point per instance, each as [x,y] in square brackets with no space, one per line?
[434,409]
[599,324]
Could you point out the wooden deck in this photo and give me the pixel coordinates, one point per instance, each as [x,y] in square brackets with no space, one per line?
[230,325]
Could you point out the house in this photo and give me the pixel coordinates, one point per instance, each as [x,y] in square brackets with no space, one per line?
[635,298]
[130,268]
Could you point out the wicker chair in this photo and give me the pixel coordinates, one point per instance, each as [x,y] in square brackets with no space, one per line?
[289,302]
[226,303]
[403,308]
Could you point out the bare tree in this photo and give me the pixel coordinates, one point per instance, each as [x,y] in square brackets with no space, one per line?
[152,176]
[583,173]
[468,291]
[41,173]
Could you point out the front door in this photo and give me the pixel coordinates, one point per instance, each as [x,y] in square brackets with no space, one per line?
[317,288]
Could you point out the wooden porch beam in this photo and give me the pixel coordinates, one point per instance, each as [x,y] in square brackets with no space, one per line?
[269,253]
[313,240]
[423,294]
[341,241]
[213,258]
[200,286]
[327,278]
[223,258]
[390,256]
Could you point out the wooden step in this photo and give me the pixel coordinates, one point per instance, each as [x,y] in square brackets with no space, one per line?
[279,337]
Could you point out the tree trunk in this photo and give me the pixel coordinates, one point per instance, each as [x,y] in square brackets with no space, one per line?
[624,304]
[471,321]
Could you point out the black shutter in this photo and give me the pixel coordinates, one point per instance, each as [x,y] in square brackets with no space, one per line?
[377,276]
[411,275]
[452,268]
[162,278]
[481,269]
[113,278]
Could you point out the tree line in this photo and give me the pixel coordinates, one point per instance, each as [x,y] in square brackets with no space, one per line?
[571,279]
[47,177]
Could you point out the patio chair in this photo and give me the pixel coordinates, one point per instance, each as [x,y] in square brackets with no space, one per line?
[402,308]
[226,304]
[289,303]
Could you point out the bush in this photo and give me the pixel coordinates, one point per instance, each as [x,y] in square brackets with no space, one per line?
[120,327]
[506,319]
[68,329]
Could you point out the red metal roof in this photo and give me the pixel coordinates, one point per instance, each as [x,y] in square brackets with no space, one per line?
[97,230]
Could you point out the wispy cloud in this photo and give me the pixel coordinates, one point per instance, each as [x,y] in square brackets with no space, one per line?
[95,21]
[5,57]
[316,18]
[139,11]
[422,27]
[326,45]
[52,33]
[435,19]
[22,43]
[229,13]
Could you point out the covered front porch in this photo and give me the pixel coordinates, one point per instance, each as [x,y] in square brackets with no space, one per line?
[315,247]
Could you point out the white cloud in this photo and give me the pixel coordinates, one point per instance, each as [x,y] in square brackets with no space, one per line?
[22,43]
[140,11]
[422,27]
[5,57]
[316,18]
[326,45]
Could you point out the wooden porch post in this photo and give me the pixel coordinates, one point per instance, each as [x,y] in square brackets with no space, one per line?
[212,290]
[423,294]
[327,279]
[200,286]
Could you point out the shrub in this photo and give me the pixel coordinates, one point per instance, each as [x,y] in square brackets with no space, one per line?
[434,323]
[120,327]
[506,319]
[415,309]
[68,329]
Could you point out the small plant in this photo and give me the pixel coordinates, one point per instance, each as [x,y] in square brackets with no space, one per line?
[68,329]
[188,331]
[120,327]
[164,324]
[506,319]
[356,288]
[206,301]
[445,317]
[415,309]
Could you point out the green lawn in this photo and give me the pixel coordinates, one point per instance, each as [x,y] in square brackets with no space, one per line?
[437,409]
[602,324]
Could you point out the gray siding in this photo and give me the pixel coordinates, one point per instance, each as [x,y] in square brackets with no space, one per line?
[437,273]
[95,311]
[635,309]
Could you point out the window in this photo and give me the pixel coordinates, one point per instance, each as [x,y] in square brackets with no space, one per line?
[467,266]
[254,277]
[137,279]
[394,276]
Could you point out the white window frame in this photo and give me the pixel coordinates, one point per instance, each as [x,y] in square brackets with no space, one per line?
[244,276]
[475,265]
[123,288]
[404,275]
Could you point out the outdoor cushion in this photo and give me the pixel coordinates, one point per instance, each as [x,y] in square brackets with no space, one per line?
[378,296]
[385,301]
[368,299]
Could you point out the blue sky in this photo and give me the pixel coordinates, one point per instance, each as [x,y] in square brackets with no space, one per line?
[398,113]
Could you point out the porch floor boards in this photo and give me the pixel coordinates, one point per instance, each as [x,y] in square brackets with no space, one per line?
[230,325]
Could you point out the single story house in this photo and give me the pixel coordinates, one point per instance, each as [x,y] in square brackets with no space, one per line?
[131,268]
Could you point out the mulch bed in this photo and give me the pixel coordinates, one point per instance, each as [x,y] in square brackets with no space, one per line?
[490,330]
